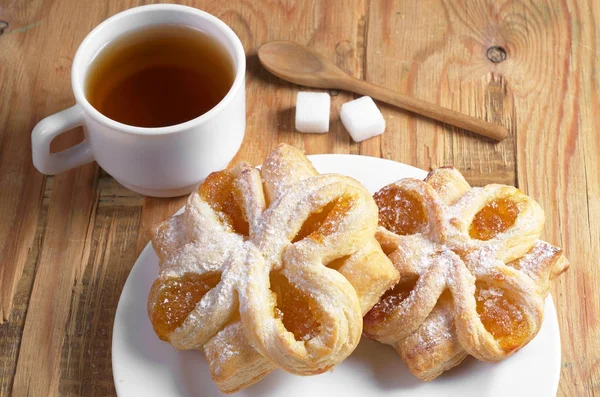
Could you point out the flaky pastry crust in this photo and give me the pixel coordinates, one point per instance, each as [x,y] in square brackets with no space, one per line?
[269,269]
[473,271]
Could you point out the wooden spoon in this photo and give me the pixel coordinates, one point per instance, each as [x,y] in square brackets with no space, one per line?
[300,65]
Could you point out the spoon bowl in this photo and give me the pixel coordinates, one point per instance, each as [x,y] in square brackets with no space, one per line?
[300,65]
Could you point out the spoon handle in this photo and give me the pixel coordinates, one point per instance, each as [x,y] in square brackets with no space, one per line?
[428,109]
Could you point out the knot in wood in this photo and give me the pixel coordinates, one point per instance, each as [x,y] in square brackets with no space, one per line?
[3,25]
[496,54]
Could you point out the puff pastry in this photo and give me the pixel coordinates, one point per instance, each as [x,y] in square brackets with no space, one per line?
[473,272]
[269,269]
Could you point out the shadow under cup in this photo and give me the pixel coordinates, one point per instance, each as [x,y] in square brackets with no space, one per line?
[154,159]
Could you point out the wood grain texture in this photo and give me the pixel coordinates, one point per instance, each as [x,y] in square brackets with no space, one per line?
[435,52]
[559,163]
[20,184]
[546,91]
[75,237]
[72,211]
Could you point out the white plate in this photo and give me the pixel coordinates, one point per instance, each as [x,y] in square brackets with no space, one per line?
[145,366]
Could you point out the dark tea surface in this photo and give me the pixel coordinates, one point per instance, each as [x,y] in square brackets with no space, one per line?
[159,76]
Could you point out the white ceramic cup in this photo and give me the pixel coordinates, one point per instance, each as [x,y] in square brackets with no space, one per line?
[161,162]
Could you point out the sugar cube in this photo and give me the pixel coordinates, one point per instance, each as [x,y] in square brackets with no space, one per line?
[312,112]
[362,119]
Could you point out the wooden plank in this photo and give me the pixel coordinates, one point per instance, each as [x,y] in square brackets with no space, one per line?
[85,365]
[559,162]
[328,27]
[20,184]
[12,330]
[435,50]
[545,91]
[61,263]
[71,207]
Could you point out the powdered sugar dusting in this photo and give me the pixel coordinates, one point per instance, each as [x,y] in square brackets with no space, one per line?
[536,261]
[199,242]
[448,245]
[489,293]
[222,349]
[434,331]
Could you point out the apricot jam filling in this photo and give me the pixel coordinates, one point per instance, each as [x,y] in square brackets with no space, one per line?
[296,310]
[400,212]
[326,220]
[220,193]
[501,317]
[494,218]
[390,301]
[177,298]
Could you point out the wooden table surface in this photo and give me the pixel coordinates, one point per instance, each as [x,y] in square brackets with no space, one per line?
[67,242]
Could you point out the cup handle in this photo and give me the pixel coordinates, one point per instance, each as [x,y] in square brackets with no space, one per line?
[49,128]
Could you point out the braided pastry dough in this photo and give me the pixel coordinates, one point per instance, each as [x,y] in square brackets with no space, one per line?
[271,268]
[473,272]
